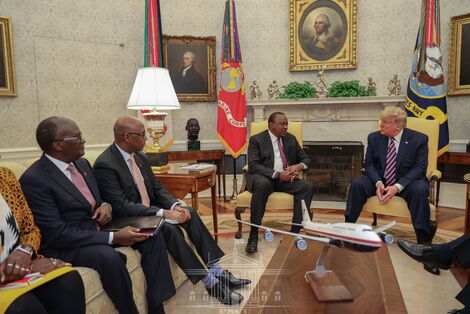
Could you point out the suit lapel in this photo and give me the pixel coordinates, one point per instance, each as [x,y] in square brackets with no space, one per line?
[383,150]
[144,172]
[56,175]
[403,147]
[122,167]
[269,148]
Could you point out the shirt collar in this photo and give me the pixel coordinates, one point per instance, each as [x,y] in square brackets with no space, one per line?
[272,136]
[398,136]
[59,163]
[124,154]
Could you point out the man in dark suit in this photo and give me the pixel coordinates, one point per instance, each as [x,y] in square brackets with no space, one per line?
[442,256]
[126,181]
[396,162]
[63,195]
[188,80]
[275,163]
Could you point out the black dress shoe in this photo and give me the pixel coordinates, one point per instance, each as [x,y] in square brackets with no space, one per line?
[252,245]
[432,269]
[424,253]
[224,294]
[227,278]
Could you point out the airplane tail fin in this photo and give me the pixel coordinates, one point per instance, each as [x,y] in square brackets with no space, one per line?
[305,213]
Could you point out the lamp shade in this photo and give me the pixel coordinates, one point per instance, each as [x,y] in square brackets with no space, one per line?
[153,90]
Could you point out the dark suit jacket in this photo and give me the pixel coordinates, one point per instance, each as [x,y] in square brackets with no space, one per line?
[60,211]
[412,158]
[191,83]
[261,154]
[118,187]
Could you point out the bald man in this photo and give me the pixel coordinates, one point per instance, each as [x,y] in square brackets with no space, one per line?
[126,181]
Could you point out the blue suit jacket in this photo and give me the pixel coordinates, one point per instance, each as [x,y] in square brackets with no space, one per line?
[60,211]
[412,158]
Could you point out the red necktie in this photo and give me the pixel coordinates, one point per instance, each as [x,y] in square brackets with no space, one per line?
[391,163]
[139,180]
[281,150]
[81,185]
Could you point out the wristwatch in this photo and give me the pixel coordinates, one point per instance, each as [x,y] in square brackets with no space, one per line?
[28,249]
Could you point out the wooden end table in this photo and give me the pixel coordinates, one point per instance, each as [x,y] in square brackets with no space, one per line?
[181,182]
[217,155]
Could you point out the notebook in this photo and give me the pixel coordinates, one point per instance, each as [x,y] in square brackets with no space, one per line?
[146,224]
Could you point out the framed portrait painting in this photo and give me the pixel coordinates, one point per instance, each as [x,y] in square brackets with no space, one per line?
[322,34]
[7,64]
[191,63]
[459,52]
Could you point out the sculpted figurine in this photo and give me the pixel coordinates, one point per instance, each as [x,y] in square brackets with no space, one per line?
[273,90]
[255,91]
[394,86]
[322,90]
[371,85]
[193,128]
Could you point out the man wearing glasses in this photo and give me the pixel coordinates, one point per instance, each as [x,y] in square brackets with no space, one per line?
[63,195]
[126,181]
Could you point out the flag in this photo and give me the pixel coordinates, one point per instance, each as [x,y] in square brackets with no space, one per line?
[153,56]
[231,110]
[426,91]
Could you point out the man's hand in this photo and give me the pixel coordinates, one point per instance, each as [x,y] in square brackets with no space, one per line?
[128,236]
[15,266]
[179,216]
[45,265]
[390,192]
[185,211]
[102,214]
[380,191]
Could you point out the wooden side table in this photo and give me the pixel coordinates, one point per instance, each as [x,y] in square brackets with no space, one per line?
[217,155]
[181,182]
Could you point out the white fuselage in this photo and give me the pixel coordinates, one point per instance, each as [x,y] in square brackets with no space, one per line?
[349,232]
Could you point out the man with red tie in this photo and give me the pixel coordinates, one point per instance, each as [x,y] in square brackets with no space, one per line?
[396,162]
[67,207]
[275,163]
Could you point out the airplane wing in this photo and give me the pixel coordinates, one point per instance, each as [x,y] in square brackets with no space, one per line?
[290,223]
[383,228]
[297,235]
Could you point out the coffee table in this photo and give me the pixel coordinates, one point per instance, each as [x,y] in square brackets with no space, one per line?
[369,277]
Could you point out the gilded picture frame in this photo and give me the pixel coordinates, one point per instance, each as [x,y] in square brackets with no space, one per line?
[459,50]
[191,63]
[7,63]
[322,33]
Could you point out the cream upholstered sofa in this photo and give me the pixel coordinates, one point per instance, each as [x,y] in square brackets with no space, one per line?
[97,301]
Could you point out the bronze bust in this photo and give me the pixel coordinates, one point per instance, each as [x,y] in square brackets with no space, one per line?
[193,128]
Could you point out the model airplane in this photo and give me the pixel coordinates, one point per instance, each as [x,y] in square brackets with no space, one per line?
[357,237]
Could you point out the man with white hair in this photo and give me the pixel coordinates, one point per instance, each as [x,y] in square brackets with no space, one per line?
[189,80]
[322,43]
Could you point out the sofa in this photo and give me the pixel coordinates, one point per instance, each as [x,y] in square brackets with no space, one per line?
[97,301]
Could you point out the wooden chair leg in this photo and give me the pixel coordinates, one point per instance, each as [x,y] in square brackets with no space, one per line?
[238,215]
[374,222]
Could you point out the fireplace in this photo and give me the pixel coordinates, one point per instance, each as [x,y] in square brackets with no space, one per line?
[334,165]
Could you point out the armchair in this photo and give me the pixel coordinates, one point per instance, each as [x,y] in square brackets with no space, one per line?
[397,205]
[277,200]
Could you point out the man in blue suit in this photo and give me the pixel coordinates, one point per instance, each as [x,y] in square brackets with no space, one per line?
[396,163]
[63,195]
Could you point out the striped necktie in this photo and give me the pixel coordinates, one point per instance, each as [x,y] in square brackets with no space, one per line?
[391,163]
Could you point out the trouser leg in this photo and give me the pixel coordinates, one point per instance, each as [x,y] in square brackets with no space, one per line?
[261,188]
[111,266]
[156,267]
[203,241]
[360,189]
[416,195]
[27,303]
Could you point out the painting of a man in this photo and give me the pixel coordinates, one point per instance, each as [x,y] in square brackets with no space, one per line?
[188,80]
[323,31]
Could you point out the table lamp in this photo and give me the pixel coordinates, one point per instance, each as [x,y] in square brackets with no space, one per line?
[153,90]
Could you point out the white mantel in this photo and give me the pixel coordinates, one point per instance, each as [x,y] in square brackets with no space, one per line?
[328,119]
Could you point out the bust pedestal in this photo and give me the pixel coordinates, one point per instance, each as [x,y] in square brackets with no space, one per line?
[194,145]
